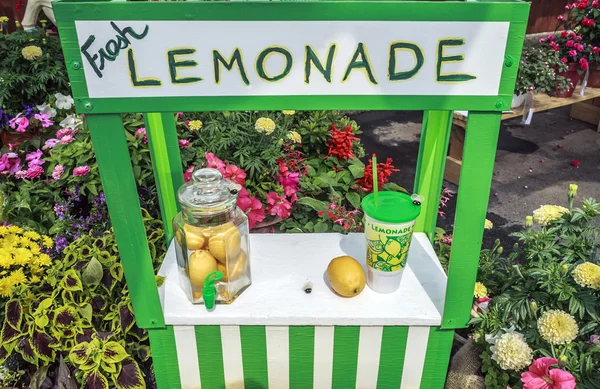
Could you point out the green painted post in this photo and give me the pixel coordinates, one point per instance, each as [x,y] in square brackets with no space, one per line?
[431,163]
[437,358]
[474,191]
[164,357]
[114,163]
[166,163]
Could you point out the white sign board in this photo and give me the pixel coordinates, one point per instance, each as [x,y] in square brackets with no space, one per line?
[270,58]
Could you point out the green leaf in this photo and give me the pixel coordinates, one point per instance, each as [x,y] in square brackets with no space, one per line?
[357,171]
[45,304]
[394,187]
[64,378]
[93,379]
[80,353]
[71,281]
[86,312]
[354,199]
[321,227]
[130,376]
[42,321]
[38,378]
[14,314]
[113,352]
[160,280]
[315,204]
[93,272]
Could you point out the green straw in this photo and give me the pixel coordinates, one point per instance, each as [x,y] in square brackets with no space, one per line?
[375,181]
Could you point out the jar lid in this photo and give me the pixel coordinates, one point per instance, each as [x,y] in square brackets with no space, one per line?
[208,192]
[392,207]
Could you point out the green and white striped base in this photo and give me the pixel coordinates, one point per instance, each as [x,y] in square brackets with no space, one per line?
[300,357]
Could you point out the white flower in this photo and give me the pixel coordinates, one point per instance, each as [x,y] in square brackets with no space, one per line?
[71,121]
[45,108]
[63,102]
[510,350]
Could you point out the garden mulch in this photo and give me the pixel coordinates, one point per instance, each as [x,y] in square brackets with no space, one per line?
[533,163]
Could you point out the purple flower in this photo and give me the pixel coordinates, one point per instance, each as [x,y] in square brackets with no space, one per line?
[19,123]
[34,172]
[65,140]
[34,158]
[44,118]
[141,132]
[60,243]
[184,143]
[50,143]
[80,171]
[58,171]
[10,163]
[595,339]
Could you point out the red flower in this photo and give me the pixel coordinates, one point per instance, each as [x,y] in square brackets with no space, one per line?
[583,64]
[582,5]
[554,46]
[384,171]
[538,376]
[340,145]
[564,34]
[596,49]
[595,3]
[564,60]
[278,205]
[542,40]
[579,47]
[187,175]
[587,22]
[235,174]
[570,43]
[560,18]
[252,207]
[575,163]
[572,53]
[550,37]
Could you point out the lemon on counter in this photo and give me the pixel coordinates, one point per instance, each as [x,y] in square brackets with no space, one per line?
[201,263]
[225,242]
[346,276]
[194,237]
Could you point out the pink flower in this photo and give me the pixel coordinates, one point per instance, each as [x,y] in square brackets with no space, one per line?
[64,131]
[141,132]
[554,46]
[560,18]
[564,60]
[214,162]
[596,49]
[290,179]
[572,34]
[572,53]
[10,163]
[235,174]
[538,376]
[44,118]
[34,158]
[579,47]
[583,64]
[587,22]
[187,175]
[542,40]
[595,3]
[18,122]
[50,143]
[21,174]
[34,172]
[184,143]
[567,7]
[290,192]
[564,34]
[80,171]
[579,37]
[595,339]
[57,171]
[65,140]
[252,207]
[570,43]
[550,37]
[277,205]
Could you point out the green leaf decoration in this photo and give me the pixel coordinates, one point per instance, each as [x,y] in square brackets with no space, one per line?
[354,199]
[116,271]
[93,379]
[80,353]
[321,227]
[113,352]
[65,316]
[160,280]
[14,314]
[42,321]
[23,347]
[8,333]
[42,345]
[92,273]
[86,312]
[64,379]
[71,281]
[357,170]
[315,204]
[126,317]
[130,376]
[45,304]
[38,378]
[394,187]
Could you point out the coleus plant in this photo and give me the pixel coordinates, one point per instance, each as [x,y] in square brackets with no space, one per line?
[81,311]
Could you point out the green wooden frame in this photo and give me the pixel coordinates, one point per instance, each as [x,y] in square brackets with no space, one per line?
[106,127]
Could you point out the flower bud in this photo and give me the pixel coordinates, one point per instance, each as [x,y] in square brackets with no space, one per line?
[572,190]
[515,246]
[500,250]
[533,306]
[564,269]
[496,242]
[529,221]
[562,360]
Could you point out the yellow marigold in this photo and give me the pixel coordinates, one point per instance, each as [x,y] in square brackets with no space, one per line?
[195,125]
[22,256]
[3,230]
[32,235]
[34,279]
[289,112]
[587,274]
[47,242]
[31,52]
[488,224]
[34,248]
[44,260]
[3,19]
[5,287]
[25,242]
[265,125]
[557,327]
[512,352]
[15,229]
[6,259]
[294,137]
[546,213]
[17,277]
[480,290]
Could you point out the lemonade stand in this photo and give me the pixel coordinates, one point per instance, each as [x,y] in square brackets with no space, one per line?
[164,57]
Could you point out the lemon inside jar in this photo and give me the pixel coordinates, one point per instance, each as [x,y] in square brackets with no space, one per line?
[225,242]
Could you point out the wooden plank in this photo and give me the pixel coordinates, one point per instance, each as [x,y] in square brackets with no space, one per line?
[587,112]
[452,173]
[541,102]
